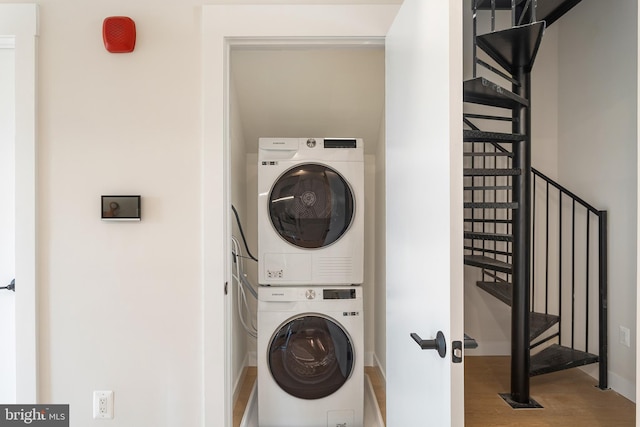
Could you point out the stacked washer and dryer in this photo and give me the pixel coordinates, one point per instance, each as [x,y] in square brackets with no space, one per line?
[310,271]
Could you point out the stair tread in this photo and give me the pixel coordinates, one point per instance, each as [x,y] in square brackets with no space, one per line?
[491,172]
[557,358]
[488,236]
[485,154]
[488,187]
[514,47]
[488,263]
[488,220]
[471,135]
[500,290]
[483,91]
[539,323]
[500,4]
[490,205]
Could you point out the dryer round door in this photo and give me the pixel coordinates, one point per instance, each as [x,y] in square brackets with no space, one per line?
[311,206]
[311,356]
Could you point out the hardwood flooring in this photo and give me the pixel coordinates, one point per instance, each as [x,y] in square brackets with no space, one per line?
[569,398]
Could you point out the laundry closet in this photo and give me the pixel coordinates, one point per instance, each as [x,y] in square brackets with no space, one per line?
[305,90]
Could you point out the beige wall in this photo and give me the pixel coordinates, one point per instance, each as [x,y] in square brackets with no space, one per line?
[597,149]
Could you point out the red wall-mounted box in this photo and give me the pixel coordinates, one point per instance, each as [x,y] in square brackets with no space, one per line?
[119,34]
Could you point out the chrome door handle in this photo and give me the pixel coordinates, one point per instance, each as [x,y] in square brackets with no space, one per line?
[439,343]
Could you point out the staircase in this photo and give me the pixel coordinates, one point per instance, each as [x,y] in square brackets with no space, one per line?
[521,225]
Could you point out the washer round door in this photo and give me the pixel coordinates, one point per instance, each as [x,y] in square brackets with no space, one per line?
[311,206]
[311,356]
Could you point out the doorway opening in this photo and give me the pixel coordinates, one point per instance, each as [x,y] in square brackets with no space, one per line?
[305,88]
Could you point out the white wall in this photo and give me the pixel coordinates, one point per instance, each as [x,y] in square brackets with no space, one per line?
[7,226]
[597,149]
[239,199]
[120,304]
[380,273]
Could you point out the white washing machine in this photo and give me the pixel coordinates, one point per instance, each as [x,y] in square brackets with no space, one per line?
[310,211]
[310,356]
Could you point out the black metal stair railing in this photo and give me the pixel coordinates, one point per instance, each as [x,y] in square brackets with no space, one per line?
[573,263]
[502,228]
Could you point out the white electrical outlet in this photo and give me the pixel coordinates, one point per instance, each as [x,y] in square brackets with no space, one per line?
[103,405]
[625,336]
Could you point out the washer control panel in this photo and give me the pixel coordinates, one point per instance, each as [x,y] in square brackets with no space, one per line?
[291,294]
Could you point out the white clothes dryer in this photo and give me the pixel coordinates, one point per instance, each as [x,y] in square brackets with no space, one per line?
[310,211]
[310,356]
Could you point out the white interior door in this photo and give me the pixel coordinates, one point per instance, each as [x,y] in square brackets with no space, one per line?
[424,212]
[7,221]
[20,22]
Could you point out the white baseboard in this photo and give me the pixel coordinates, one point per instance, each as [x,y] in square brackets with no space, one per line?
[622,386]
[369,358]
[252,358]
[380,367]
[238,383]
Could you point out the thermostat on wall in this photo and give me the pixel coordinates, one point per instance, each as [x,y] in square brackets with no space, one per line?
[120,208]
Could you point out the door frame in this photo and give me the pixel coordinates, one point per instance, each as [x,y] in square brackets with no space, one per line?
[21,22]
[223,25]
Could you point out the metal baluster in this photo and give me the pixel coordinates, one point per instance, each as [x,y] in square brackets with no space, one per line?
[546,272]
[586,333]
[560,264]
[475,34]
[573,272]
[493,15]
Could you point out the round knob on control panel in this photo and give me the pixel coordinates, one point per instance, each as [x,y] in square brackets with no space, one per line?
[310,294]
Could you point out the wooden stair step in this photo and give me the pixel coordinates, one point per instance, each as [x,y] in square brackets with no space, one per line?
[558,358]
[482,261]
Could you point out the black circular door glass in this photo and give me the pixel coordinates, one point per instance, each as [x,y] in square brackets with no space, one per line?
[311,206]
[310,357]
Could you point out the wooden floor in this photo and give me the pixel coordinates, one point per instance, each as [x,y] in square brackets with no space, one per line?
[569,398]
